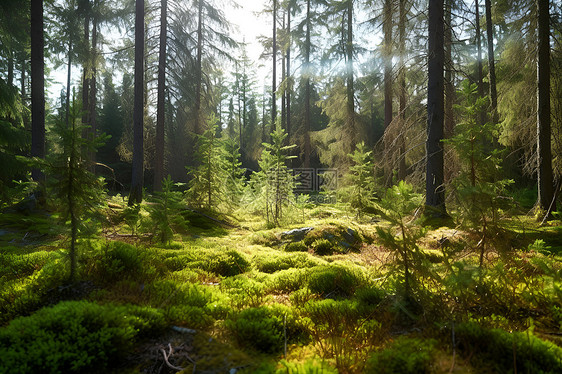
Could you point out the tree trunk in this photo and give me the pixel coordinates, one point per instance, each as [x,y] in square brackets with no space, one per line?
[274,80]
[491,62]
[199,73]
[402,90]
[435,190]
[283,77]
[387,30]
[449,69]
[92,101]
[86,73]
[138,113]
[481,114]
[307,72]
[68,78]
[546,201]
[350,88]
[160,104]
[289,85]
[37,86]
[10,68]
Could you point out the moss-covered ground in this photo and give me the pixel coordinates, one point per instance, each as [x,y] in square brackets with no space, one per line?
[231,295]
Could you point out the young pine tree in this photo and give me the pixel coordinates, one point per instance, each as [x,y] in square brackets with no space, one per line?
[234,182]
[207,187]
[360,179]
[73,187]
[480,193]
[274,183]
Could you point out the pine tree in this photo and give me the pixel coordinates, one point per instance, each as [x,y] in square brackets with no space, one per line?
[71,184]
[360,179]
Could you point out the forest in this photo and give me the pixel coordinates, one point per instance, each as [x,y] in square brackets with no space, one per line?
[378,191]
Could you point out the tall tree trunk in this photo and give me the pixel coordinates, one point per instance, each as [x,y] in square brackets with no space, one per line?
[37,86]
[289,85]
[274,80]
[387,30]
[402,89]
[491,62]
[546,199]
[283,76]
[199,72]
[10,68]
[86,73]
[138,112]
[350,88]
[307,73]
[434,188]
[160,104]
[68,79]
[449,69]
[92,101]
[481,114]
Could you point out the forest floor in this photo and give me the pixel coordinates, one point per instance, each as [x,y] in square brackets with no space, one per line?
[322,294]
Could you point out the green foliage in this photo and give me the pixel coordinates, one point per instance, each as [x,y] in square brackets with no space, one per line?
[405,356]
[360,179]
[72,185]
[74,336]
[402,236]
[343,329]
[244,291]
[207,188]
[118,260]
[270,262]
[323,247]
[234,183]
[264,329]
[309,367]
[272,187]
[165,208]
[481,193]
[295,247]
[334,280]
[500,350]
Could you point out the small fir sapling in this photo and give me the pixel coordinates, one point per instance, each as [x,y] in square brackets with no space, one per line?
[478,186]
[71,184]
[234,173]
[360,179]
[206,187]
[403,233]
[274,183]
[165,209]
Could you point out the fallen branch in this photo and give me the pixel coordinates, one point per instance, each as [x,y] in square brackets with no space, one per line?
[167,356]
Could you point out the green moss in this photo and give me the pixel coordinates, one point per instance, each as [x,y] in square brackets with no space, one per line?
[334,280]
[405,356]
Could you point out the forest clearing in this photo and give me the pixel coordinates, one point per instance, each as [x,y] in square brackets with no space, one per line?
[280,186]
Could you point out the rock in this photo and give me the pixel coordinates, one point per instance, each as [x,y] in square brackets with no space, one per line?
[296,234]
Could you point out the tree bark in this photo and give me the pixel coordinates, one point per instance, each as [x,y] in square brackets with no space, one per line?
[480,74]
[402,92]
[435,190]
[37,86]
[546,201]
[199,72]
[138,113]
[387,30]
[86,73]
[449,84]
[92,101]
[307,72]
[289,82]
[491,62]
[350,83]
[160,104]
[274,79]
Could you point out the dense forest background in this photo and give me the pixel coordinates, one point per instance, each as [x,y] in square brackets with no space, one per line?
[378,193]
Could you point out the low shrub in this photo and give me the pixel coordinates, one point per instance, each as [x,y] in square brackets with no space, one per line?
[258,329]
[296,247]
[370,296]
[270,262]
[323,247]
[74,336]
[264,329]
[288,280]
[499,350]
[119,260]
[222,262]
[405,356]
[265,238]
[244,291]
[311,366]
[334,280]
